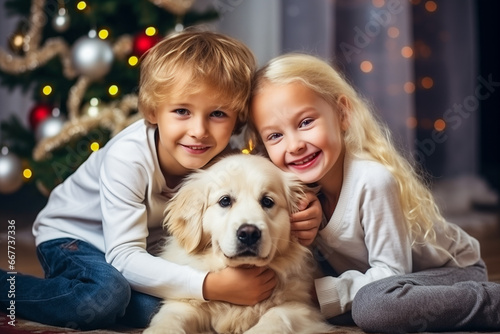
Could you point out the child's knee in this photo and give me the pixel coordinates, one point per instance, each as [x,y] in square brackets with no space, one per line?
[101,304]
[382,307]
[368,312]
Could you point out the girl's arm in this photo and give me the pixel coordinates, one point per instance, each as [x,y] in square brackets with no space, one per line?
[366,239]
[306,222]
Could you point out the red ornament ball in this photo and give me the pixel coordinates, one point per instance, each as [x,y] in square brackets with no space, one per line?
[38,114]
[143,43]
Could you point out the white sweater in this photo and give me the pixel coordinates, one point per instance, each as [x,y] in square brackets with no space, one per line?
[366,238]
[115,201]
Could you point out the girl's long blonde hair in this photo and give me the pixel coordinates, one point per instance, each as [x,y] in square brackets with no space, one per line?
[365,137]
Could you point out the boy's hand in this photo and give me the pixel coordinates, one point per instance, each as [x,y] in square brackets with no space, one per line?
[306,222]
[241,286]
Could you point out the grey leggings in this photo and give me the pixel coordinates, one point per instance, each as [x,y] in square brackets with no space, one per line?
[443,299]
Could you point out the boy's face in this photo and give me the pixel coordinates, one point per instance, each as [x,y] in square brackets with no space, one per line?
[193,128]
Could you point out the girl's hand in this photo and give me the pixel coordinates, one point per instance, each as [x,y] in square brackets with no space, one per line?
[241,286]
[306,222]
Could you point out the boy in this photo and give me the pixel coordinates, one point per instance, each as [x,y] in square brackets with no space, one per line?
[93,235]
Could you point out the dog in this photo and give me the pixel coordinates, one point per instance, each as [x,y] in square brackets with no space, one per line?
[237,213]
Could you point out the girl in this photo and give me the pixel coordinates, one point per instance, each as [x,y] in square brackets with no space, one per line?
[399,265]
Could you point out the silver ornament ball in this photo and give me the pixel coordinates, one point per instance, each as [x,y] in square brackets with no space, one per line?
[92,56]
[49,127]
[61,20]
[11,178]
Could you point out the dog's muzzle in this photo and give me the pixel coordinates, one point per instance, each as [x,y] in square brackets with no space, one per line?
[248,237]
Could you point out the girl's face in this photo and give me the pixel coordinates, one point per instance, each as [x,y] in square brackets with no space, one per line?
[192,129]
[300,130]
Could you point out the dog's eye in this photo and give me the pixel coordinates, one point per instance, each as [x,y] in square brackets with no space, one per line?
[225,201]
[267,202]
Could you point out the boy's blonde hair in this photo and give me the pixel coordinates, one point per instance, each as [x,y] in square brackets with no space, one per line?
[185,62]
[365,137]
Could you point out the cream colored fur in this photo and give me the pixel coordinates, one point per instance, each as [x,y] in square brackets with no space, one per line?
[204,232]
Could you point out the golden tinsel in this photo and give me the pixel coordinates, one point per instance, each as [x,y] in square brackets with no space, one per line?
[114,117]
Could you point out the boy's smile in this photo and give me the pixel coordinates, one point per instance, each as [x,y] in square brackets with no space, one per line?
[196,149]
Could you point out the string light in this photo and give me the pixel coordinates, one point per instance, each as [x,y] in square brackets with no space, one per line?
[81,5]
[427,82]
[18,40]
[393,32]
[103,33]
[409,87]
[133,60]
[113,90]
[439,124]
[366,66]
[93,109]
[94,146]
[431,6]
[27,173]
[150,31]
[378,3]
[407,52]
[47,90]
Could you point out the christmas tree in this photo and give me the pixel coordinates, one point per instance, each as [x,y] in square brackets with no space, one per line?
[81,60]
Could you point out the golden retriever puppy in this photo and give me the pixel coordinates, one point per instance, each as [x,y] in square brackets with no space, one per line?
[235,213]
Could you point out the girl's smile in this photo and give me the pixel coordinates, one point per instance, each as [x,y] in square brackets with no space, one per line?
[306,162]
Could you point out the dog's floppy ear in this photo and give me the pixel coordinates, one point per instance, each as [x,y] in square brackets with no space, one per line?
[184,214]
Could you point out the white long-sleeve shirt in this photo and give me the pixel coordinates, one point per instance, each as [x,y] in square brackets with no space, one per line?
[366,238]
[115,201]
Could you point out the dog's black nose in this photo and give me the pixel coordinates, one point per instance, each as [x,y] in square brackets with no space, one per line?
[248,234]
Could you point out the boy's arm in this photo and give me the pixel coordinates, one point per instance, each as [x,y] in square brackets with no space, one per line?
[124,185]
[306,222]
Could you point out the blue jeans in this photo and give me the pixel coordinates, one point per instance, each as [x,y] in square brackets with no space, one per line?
[80,290]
